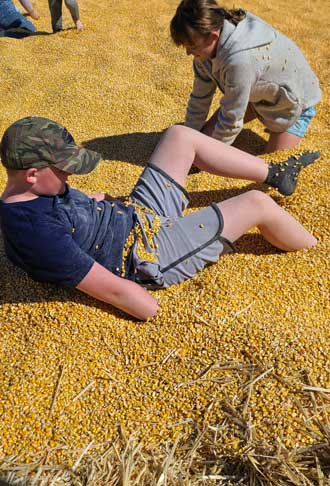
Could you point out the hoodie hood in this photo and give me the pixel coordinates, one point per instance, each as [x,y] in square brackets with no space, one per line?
[248,34]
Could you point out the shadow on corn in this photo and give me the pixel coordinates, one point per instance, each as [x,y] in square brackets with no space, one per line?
[16,287]
[4,483]
[250,142]
[255,244]
[199,199]
[21,34]
[137,147]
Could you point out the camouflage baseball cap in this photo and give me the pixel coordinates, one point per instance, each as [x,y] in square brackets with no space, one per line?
[38,142]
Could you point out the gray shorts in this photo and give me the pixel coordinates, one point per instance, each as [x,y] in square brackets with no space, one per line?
[185,243]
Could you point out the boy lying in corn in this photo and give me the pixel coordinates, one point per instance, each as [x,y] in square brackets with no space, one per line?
[59,234]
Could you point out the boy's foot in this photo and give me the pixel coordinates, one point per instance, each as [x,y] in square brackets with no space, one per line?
[79,25]
[284,176]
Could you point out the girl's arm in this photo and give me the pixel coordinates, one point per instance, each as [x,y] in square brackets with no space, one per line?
[124,294]
[200,100]
[239,79]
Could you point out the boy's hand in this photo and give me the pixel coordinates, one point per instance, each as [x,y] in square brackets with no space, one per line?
[99,196]
[103,196]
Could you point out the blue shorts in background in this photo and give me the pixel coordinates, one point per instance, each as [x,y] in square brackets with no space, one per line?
[299,128]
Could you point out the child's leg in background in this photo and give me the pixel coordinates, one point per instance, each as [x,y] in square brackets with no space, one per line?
[55,7]
[292,137]
[254,208]
[282,141]
[277,141]
[73,8]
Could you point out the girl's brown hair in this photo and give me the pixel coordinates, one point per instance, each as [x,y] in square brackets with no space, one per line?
[202,17]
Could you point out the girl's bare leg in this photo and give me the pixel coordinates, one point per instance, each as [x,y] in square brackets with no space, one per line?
[282,141]
[277,141]
[180,147]
[254,208]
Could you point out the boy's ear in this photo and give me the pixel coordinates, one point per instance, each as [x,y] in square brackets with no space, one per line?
[30,175]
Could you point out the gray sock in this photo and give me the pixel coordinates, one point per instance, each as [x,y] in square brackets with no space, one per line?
[284,176]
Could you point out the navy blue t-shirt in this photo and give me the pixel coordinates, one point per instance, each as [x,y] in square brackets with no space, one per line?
[58,238]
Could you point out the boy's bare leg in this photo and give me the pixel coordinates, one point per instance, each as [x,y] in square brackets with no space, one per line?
[254,208]
[180,147]
[282,141]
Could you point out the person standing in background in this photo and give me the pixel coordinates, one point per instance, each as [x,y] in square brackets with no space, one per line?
[55,7]
[12,22]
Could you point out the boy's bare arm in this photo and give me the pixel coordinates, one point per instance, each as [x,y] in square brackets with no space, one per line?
[124,294]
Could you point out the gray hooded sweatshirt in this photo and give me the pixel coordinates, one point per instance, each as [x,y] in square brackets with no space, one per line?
[257,64]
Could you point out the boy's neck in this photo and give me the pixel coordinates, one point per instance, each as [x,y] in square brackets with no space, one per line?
[12,194]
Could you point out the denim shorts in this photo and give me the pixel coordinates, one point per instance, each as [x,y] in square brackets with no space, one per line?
[299,128]
[10,18]
[185,242]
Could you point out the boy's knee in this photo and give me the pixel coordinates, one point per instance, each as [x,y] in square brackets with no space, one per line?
[175,131]
[178,134]
[259,198]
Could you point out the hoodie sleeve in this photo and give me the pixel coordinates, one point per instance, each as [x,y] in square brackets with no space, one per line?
[200,98]
[238,80]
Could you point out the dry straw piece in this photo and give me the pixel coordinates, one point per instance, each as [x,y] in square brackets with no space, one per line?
[229,383]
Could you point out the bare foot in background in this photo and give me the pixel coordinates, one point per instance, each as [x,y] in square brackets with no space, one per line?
[79,25]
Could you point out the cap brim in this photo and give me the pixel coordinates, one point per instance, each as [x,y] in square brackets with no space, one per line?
[78,160]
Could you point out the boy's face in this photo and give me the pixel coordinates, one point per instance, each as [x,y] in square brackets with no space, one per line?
[202,47]
[51,181]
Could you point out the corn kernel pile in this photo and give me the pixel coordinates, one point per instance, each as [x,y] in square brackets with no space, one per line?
[73,369]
